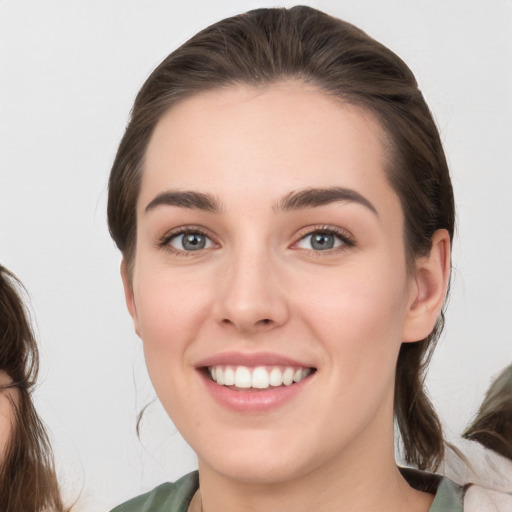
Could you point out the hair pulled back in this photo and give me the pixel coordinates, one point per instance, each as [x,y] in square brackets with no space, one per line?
[263,47]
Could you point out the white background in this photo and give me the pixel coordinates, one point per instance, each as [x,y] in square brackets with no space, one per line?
[69,71]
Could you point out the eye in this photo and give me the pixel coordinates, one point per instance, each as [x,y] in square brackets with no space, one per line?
[189,241]
[323,240]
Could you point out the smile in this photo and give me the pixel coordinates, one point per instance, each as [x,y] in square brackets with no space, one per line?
[255,383]
[259,377]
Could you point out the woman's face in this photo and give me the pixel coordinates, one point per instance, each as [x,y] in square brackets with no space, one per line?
[270,247]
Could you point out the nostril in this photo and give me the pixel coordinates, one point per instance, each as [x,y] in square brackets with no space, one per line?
[247,323]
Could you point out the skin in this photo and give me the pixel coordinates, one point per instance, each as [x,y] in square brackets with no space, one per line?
[259,286]
[6,411]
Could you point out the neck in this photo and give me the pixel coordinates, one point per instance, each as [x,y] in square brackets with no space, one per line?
[362,479]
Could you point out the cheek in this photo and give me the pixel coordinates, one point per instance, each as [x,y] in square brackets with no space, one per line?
[6,418]
[171,310]
[358,315]
[357,318]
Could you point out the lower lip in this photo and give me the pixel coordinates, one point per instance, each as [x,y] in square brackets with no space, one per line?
[254,401]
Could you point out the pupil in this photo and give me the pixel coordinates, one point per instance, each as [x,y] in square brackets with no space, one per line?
[322,241]
[193,242]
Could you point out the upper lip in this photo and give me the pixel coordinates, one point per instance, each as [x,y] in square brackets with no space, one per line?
[251,359]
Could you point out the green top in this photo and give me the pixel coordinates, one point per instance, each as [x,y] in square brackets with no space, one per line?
[176,497]
[164,498]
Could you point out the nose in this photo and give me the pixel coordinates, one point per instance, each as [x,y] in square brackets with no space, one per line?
[251,296]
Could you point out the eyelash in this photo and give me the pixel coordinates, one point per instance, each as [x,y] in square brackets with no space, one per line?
[346,238]
[164,242]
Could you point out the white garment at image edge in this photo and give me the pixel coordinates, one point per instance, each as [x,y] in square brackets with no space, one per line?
[489,472]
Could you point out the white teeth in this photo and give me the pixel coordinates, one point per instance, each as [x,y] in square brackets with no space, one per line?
[276,377]
[260,377]
[242,377]
[288,376]
[229,377]
[297,376]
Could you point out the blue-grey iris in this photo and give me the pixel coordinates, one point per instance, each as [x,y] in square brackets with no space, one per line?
[322,241]
[193,241]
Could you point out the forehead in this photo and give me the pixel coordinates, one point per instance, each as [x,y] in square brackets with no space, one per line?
[276,138]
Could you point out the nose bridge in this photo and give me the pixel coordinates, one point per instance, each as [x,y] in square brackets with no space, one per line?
[251,297]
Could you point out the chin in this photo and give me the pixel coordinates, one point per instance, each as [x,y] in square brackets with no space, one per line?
[262,461]
[260,472]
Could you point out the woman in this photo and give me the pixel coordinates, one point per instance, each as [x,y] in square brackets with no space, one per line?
[27,475]
[284,209]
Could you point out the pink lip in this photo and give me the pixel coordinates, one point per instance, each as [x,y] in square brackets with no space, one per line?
[257,401]
[252,401]
[248,359]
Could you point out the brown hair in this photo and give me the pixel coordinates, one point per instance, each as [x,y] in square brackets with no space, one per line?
[492,426]
[27,474]
[265,46]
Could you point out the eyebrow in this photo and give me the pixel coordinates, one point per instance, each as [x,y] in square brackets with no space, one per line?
[298,200]
[314,197]
[185,199]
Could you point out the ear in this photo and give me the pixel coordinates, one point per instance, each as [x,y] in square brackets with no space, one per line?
[129,296]
[428,289]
